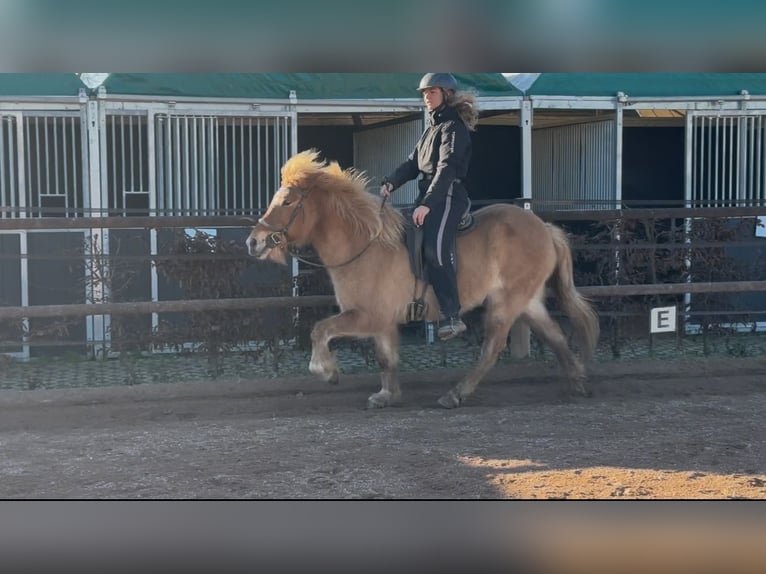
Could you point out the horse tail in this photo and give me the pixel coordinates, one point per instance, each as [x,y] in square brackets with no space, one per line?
[578,308]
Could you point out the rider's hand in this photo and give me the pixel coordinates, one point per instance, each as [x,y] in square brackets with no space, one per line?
[386,189]
[419,215]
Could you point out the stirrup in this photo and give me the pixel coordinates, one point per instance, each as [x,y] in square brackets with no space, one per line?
[449,328]
[416,310]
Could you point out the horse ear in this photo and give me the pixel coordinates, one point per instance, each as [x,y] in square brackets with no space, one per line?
[334,168]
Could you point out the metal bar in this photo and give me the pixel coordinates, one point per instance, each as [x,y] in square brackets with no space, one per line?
[750,160]
[157,182]
[131,155]
[261,203]
[140,137]
[75,162]
[740,157]
[178,207]
[250,163]
[269,177]
[4,191]
[690,175]
[123,164]
[725,155]
[26,163]
[65,162]
[21,165]
[709,148]
[46,168]
[113,186]
[185,172]
[55,156]
[762,161]
[732,156]
[37,163]
[202,166]
[717,159]
[226,169]
[699,146]
[242,191]
[167,195]
[84,177]
[212,189]
[14,151]
[194,168]
[758,159]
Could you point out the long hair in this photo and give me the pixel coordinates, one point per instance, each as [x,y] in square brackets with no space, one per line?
[466,106]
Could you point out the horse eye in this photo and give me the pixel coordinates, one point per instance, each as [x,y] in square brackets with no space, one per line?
[286,202]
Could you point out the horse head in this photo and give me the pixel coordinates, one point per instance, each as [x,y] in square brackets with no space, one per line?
[287,221]
[283,224]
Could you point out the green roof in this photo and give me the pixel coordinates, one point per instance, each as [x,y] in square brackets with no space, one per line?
[647,85]
[40,85]
[306,86]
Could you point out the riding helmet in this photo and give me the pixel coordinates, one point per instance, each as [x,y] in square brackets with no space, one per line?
[444,81]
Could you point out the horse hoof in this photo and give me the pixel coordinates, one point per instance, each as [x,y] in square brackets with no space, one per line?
[382,399]
[330,375]
[377,401]
[449,401]
[577,389]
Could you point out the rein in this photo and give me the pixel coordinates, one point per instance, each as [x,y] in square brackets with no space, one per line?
[279,236]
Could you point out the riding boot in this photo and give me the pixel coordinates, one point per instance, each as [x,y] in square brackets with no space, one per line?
[450,327]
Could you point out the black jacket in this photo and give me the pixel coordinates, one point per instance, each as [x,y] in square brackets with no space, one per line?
[442,155]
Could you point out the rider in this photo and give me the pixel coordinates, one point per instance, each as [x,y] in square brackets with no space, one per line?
[441,156]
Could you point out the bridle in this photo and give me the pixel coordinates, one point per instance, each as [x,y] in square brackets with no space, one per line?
[278,236]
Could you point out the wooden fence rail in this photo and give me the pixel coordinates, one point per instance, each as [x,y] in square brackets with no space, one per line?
[247,304]
[165,221]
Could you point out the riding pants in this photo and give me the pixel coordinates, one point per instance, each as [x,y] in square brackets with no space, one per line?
[439,231]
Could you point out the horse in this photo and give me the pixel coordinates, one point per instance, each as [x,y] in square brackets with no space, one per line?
[506,263]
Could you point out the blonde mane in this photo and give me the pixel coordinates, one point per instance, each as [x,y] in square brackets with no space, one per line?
[345,194]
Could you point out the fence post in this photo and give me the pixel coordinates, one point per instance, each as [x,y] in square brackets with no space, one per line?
[520,343]
[97,243]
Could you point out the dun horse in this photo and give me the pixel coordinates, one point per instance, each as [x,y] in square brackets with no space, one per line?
[504,263]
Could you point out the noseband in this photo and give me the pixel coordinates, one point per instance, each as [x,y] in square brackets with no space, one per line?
[278,236]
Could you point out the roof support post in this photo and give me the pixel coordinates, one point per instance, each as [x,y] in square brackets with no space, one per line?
[618,124]
[520,334]
[525,122]
[97,243]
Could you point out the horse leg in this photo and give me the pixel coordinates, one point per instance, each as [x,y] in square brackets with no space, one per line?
[497,322]
[346,323]
[387,354]
[355,323]
[549,331]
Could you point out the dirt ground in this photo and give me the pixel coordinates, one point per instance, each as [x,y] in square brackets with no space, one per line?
[652,429]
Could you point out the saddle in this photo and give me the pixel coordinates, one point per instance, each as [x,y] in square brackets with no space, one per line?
[413,238]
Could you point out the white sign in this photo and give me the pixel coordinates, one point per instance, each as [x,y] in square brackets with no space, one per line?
[663,320]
